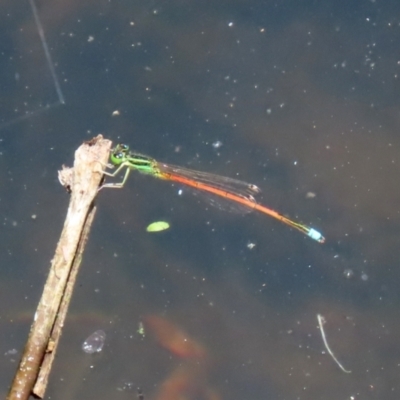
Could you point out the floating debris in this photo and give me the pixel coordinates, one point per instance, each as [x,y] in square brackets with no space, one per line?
[251,245]
[141,331]
[311,195]
[157,226]
[95,342]
[321,321]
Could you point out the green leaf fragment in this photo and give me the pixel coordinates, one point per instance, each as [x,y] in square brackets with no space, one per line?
[157,226]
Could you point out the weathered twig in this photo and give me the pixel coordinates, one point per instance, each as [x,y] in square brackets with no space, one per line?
[42,379]
[49,318]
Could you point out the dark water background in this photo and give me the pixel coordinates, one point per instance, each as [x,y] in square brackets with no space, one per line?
[304,98]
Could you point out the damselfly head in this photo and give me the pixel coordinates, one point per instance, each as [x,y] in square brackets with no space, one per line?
[121,147]
[117,157]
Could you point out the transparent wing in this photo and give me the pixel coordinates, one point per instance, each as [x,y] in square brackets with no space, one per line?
[222,185]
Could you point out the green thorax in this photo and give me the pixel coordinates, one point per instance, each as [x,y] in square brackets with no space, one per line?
[122,155]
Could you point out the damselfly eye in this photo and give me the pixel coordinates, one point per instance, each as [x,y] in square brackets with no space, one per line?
[124,147]
[119,155]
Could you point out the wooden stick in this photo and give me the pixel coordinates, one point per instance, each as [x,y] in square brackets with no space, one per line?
[46,329]
[42,380]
